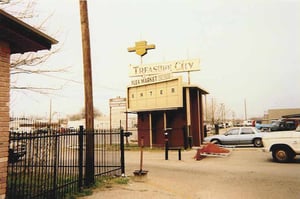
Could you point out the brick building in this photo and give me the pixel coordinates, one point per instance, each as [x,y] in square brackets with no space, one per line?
[15,37]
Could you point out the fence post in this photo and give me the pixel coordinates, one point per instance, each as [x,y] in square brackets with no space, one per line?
[80,157]
[122,152]
[56,161]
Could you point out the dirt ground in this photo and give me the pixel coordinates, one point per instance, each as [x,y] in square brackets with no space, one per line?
[246,173]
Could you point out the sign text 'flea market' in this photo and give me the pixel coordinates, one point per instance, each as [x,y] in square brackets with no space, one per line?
[152,79]
[166,67]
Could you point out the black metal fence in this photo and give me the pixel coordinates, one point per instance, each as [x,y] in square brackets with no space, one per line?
[49,162]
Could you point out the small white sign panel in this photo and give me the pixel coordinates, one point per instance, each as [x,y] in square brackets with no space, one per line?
[166,67]
[117,102]
[151,79]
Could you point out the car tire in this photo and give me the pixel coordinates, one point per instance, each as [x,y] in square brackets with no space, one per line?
[215,141]
[257,142]
[282,154]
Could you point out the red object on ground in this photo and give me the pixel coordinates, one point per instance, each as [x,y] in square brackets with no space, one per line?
[210,148]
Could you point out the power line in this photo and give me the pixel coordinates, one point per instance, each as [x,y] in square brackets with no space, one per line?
[81,83]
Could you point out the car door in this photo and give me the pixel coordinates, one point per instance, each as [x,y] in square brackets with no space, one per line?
[246,135]
[296,140]
[231,136]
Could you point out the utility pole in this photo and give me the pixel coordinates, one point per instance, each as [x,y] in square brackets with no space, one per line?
[50,111]
[223,118]
[88,90]
[206,120]
[212,111]
[245,107]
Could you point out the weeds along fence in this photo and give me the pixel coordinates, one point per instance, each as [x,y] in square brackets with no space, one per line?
[49,162]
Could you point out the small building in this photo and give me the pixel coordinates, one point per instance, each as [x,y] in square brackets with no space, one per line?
[168,109]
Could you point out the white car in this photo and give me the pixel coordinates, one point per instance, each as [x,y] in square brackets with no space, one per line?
[248,123]
[238,136]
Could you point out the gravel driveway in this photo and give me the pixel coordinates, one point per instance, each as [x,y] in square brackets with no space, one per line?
[246,173]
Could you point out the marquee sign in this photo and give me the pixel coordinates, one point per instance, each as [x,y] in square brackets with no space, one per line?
[166,67]
[159,96]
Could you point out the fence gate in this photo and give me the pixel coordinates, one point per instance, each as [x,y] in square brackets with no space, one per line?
[49,162]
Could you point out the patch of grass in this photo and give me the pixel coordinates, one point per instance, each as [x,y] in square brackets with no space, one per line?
[104,181]
[121,180]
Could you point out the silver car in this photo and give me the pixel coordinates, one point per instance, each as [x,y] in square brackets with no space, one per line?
[238,136]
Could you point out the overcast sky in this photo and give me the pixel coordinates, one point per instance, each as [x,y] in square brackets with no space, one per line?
[248,51]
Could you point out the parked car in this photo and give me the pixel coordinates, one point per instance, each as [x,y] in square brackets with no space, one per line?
[284,145]
[17,147]
[279,125]
[248,123]
[221,125]
[238,136]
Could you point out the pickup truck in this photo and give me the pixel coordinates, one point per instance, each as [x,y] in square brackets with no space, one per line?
[284,145]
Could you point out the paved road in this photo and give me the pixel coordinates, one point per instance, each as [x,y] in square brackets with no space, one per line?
[246,173]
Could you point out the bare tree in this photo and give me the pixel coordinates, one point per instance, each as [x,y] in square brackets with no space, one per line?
[217,113]
[30,63]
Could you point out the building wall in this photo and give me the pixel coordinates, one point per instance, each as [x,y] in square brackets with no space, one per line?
[118,116]
[143,128]
[4,113]
[274,114]
[157,121]
[176,119]
[195,117]
[180,134]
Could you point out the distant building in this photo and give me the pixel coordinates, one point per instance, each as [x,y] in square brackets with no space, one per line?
[119,117]
[275,114]
[104,122]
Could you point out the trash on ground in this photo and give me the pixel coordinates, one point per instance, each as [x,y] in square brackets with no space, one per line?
[211,149]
